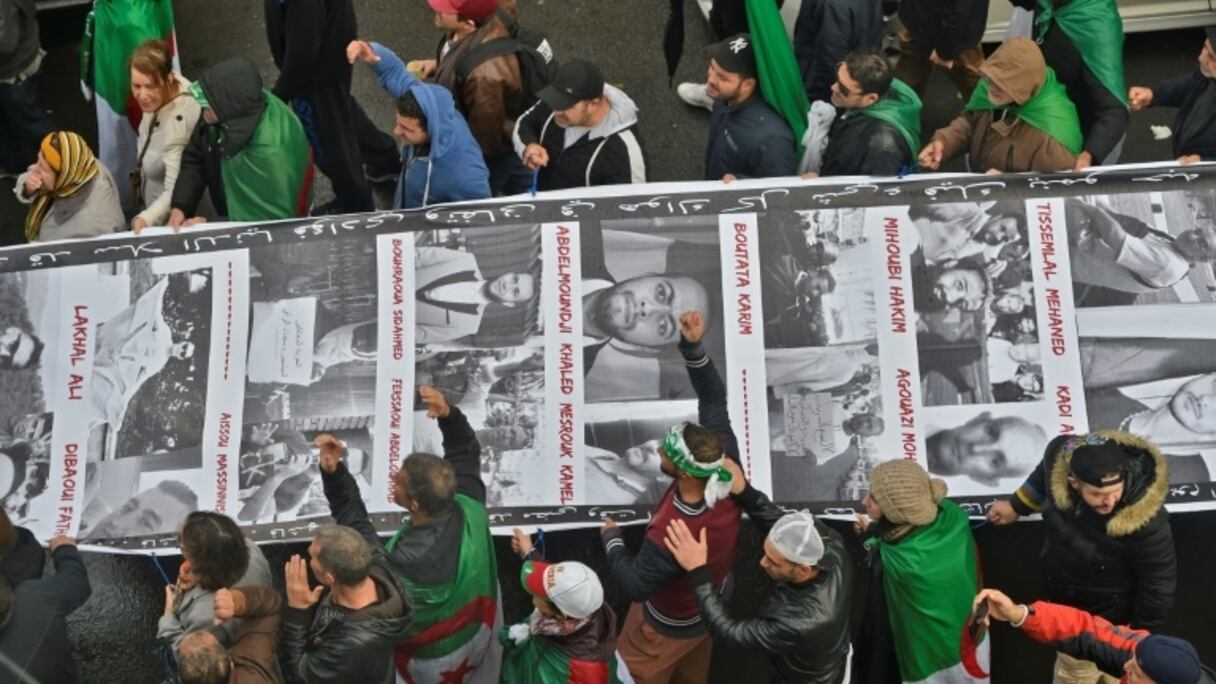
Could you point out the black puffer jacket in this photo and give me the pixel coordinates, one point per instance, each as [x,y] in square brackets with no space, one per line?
[805,627]
[24,560]
[1121,566]
[234,92]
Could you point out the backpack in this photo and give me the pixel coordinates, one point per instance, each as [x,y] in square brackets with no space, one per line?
[537,64]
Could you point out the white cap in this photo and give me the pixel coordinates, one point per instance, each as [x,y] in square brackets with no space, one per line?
[573,587]
[796,538]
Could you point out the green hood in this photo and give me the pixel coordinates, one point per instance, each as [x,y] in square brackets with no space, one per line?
[1096,29]
[900,107]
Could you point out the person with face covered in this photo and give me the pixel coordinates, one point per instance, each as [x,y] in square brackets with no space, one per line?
[923,574]
[1018,119]
[570,635]
[1194,95]
[248,150]
[986,448]
[440,161]
[1108,549]
[664,637]
[70,194]
[804,624]
[581,132]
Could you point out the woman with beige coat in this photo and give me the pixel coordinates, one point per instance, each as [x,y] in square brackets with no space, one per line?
[169,117]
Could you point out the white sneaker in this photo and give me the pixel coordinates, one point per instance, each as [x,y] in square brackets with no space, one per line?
[695,95]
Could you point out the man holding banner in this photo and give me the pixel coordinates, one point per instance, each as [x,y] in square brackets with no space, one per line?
[664,637]
[443,555]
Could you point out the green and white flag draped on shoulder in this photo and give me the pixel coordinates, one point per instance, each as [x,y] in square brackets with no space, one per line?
[453,638]
[930,578]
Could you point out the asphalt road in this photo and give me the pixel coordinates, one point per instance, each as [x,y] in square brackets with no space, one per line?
[114,632]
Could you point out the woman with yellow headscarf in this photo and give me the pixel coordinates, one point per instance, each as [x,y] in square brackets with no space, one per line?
[69,193]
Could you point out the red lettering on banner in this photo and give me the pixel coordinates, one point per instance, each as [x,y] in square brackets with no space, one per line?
[899,309]
[75,387]
[80,335]
[225,430]
[1064,409]
[895,261]
[566,368]
[63,520]
[1047,236]
[395,399]
[1055,322]
[907,413]
[221,483]
[565,285]
[398,272]
[565,439]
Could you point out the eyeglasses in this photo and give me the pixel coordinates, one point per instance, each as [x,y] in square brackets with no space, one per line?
[844,90]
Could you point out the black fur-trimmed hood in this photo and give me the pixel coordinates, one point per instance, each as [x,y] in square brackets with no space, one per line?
[1146,480]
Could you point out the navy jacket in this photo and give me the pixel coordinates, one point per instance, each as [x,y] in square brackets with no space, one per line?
[749,141]
[826,31]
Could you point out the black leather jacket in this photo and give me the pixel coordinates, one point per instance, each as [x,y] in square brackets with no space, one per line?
[804,627]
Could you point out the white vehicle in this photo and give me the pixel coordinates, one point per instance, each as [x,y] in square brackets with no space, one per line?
[1138,15]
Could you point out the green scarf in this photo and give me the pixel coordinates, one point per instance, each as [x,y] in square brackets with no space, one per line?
[900,107]
[448,616]
[781,80]
[929,580]
[271,177]
[1096,30]
[1049,110]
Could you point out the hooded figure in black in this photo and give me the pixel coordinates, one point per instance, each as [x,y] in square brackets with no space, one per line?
[248,150]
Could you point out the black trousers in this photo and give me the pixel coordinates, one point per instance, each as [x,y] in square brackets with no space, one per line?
[23,124]
[339,131]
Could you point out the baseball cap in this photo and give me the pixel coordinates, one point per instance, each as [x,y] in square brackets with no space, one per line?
[477,10]
[573,587]
[575,81]
[796,538]
[736,55]
[1168,660]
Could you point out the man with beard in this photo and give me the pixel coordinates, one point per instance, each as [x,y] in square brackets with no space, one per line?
[986,448]
[1108,549]
[664,637]
[1194,95]
[747,137]
[804,625]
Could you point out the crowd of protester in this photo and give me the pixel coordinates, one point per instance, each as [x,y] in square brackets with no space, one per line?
[495,113]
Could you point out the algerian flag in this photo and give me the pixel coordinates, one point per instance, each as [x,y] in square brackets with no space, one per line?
[780,79]
[452,638]
[113,30]
[541,661]
[930,578]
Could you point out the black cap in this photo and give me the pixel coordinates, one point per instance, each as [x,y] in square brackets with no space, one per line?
[1100,465]
[1211,31]
[575,81]
[735,54]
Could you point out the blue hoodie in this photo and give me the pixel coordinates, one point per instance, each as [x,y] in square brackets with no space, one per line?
[454,170]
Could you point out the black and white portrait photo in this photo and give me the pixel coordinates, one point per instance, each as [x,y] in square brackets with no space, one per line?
[638,278]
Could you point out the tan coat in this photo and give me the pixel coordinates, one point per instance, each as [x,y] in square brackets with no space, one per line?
[1009,145]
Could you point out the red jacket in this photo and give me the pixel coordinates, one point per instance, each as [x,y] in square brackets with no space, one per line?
[1087,637]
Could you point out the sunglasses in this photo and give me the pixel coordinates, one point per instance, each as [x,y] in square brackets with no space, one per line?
[844,90]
